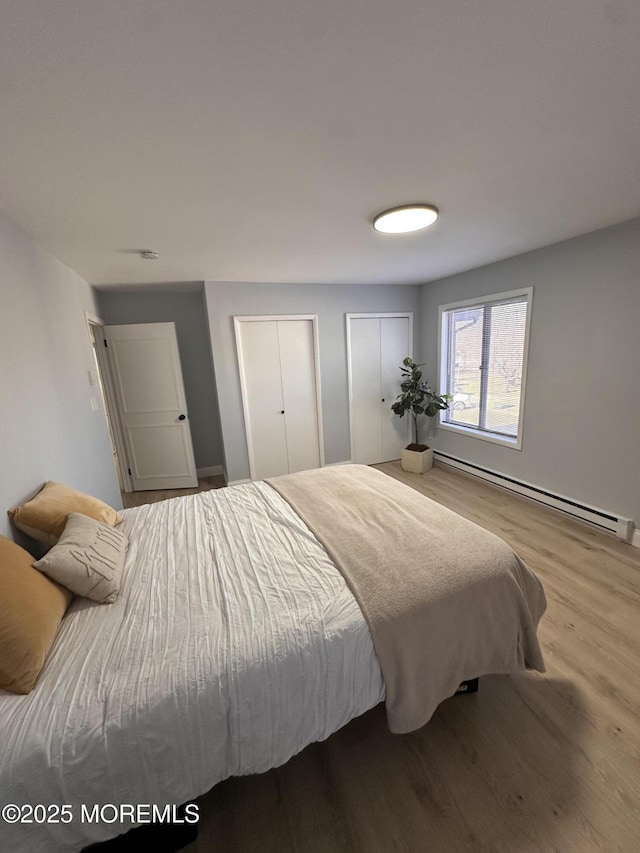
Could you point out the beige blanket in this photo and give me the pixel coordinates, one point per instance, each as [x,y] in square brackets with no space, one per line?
[445,600]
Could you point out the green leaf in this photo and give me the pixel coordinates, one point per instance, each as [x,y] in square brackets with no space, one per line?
[417,396]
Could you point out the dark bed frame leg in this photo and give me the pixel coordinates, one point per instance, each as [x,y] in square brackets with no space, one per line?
[470,686]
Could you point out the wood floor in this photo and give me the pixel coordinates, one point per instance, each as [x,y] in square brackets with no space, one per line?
[130,499]
[529,764]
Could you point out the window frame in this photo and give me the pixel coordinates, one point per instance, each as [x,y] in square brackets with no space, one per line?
[514,443]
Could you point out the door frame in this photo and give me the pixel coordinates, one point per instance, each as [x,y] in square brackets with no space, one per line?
[107,392]
[376,315]
[262,318]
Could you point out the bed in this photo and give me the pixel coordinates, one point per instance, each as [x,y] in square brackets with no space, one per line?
[236,641]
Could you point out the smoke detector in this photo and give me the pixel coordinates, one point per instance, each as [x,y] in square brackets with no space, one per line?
[149,255]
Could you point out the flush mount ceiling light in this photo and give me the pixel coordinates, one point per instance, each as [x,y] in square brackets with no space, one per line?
[402,220]
[149,255]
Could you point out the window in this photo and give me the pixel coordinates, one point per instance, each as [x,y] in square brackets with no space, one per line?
[483,361]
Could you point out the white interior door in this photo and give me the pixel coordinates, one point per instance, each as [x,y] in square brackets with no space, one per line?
[151,405]
[366,391]
[259,357]
[279,379]
[395,345]
[377,344]
[300,397]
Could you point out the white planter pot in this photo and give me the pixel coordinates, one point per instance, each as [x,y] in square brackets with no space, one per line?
[416,462]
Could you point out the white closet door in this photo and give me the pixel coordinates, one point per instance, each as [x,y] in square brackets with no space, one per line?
[263,399]
[297,367]
[377,345]
[394,347]
[366,391]
[280,393]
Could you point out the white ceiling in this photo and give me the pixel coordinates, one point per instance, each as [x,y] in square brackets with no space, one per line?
[254,141]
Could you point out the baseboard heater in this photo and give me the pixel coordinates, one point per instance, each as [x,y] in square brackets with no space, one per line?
[622,527]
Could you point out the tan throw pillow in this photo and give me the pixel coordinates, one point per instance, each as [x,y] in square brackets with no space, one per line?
[45,515]
[31,609]
[88,559]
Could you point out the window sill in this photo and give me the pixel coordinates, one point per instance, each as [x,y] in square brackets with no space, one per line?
[514,443]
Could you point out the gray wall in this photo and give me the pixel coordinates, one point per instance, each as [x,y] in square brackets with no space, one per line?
[187,311]
[582,412]
[330,302]
[47,428]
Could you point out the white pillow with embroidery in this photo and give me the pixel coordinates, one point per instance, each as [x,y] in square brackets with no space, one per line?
[88,558]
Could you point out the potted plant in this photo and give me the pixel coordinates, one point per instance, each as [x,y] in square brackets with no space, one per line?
[417,399]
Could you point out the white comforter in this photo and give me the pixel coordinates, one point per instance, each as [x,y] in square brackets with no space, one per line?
[235,642]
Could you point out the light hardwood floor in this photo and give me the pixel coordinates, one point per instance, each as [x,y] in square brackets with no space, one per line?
[130,499]
[529,764]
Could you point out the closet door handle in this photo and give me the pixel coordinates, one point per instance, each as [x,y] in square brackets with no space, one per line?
[282,412]
[383,399]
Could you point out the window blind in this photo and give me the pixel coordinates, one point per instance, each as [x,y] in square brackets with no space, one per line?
[483,350]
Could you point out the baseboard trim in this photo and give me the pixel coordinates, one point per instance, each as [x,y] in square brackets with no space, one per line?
[620,526]
[211,471]
[635,539]
[239,482]
[332,464]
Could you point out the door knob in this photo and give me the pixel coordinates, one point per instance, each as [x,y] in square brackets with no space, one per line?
[282,412]
[181,417]
[383,399]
